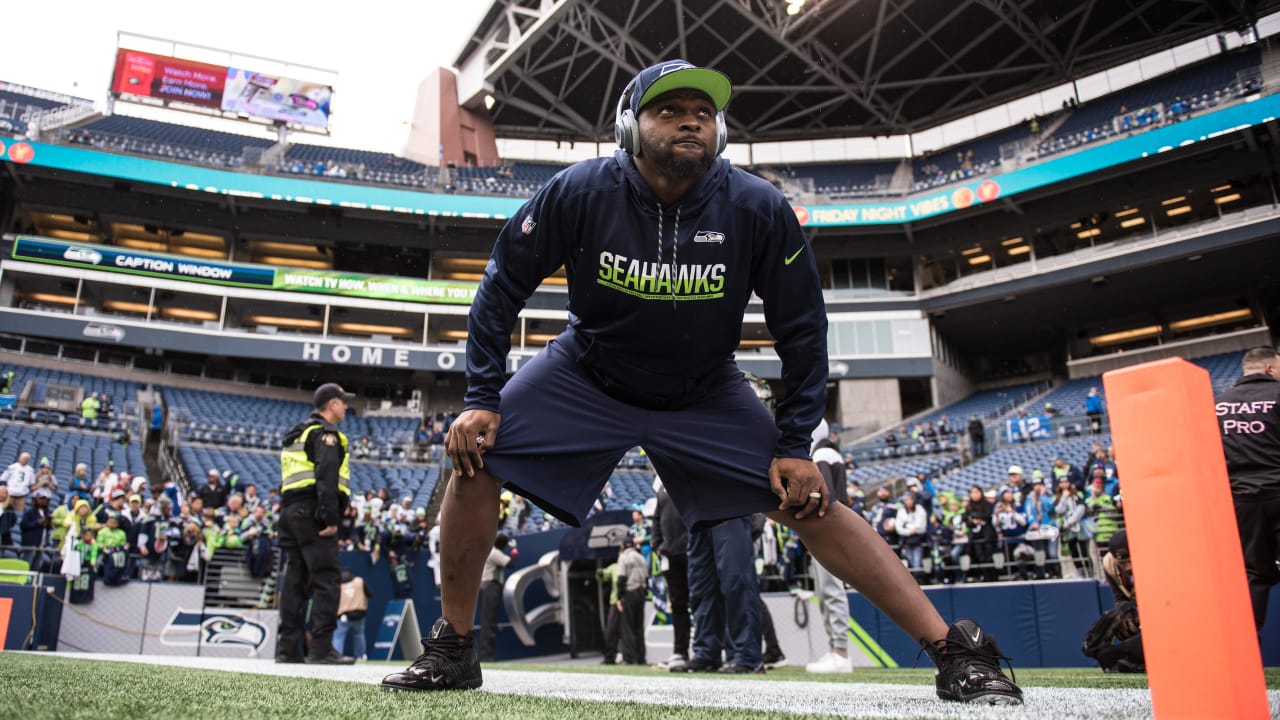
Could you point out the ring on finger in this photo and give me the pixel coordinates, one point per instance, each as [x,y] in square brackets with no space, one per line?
[815,496]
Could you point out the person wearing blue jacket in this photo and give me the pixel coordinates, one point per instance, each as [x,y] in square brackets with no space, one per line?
[1094,408]
[663,245]
[1042,531]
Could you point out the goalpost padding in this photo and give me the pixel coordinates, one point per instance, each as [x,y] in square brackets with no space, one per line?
[1197,621]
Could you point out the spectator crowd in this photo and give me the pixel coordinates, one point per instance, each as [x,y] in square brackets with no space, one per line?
[123,528]
[1026,527]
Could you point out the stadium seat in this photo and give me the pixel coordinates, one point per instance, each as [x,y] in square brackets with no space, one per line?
[11,570]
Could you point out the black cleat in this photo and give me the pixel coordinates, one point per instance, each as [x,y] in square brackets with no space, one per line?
[288,659]
[332,658]
[969,667]
[741,670]
[694,665]
[448,662]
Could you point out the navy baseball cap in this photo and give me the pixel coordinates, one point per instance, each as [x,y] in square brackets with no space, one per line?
[679,75]
[329,391]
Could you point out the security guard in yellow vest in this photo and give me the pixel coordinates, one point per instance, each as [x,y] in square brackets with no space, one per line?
[314,491]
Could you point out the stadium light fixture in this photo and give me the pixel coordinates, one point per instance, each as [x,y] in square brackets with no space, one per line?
[979,259]
[1020,250]
[1086,234]
[50,298]
[1224,199]
[1221,188]
[295,262]
[971,251]
[1181,210]
[1211,319]
[189,314]
[128,307]
[60,218]
[1126,213]
[1173,201]
[305,323]
[1012,241]
[488,102]
[369,329]
[1133,222]
[794,6]
[461,263]
[200,252]
[1140,333]
[453,335]
[140,244]
[284,248]
[71,235]
[202,239]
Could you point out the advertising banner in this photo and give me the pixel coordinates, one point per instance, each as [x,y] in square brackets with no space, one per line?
[1034,427]
[399,628]
[277,98]
[115,259]
[168,78]
[1052,170]
[115,622]
[167,608]
[166,619]
[226,632]
[106,257]
[238,90]
[377,287]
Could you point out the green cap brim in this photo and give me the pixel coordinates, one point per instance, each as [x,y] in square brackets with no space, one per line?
[714,83]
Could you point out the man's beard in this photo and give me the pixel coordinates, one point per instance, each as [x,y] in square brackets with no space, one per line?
[664,159]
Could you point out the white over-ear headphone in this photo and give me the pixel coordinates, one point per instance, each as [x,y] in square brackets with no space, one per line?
[626,129]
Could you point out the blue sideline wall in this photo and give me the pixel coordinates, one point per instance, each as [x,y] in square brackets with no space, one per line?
[1039,624]
[32,603]
[426,596]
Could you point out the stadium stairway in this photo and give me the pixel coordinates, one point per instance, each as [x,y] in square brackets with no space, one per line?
[228,582]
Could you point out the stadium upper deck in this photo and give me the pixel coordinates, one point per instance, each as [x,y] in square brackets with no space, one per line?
[1110,225]
[1215,82]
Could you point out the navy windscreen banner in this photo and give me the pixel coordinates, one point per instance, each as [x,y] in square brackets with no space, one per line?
[599,537]
[114,259]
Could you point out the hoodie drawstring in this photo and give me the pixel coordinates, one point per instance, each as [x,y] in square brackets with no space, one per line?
[675,244]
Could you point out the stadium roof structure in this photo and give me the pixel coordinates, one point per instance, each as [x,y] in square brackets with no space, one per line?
[835,68]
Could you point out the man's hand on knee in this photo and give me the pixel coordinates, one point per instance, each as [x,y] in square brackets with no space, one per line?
[470,436]
[798,483]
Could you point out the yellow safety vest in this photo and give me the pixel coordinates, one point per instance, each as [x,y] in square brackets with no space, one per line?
[297,471]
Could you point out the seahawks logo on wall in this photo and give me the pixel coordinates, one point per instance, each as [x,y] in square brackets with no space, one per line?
[190,628]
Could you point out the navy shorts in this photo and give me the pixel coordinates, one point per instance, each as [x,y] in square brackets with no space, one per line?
[561,437]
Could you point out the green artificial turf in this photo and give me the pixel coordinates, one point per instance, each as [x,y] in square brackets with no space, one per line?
[38,686]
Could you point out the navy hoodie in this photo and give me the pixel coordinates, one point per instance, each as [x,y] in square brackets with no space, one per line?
[649,338]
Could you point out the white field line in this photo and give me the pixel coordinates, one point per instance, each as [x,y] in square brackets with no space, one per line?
[851,700]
